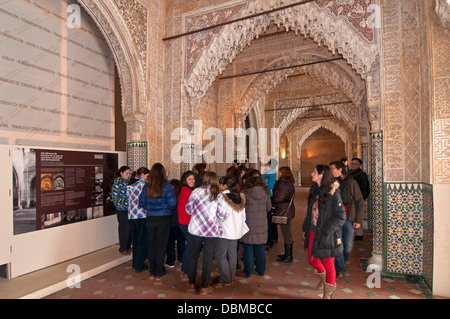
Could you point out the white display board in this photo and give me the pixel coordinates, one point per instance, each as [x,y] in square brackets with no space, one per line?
[28,252]
[6,221]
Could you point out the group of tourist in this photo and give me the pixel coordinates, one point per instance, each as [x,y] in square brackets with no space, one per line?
[161,220]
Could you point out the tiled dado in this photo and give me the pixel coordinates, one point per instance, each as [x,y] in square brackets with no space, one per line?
[137,155]
[376,192]
[408,229]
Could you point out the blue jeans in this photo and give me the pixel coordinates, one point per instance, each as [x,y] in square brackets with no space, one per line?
[347,232]
[184,260]
[176,235]
[138,230]
[254,259]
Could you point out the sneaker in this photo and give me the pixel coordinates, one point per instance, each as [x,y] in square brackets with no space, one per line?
[161,277]
[169,266]
[207,290]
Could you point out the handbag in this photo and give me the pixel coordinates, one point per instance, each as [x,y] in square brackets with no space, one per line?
[281,216]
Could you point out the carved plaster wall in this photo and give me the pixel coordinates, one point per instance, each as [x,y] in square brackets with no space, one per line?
[441,82]
[312,20]
[127,41]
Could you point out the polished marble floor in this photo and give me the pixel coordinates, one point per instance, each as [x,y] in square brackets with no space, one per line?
[294,280]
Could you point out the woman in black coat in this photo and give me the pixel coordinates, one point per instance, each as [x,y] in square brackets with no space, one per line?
[283,193]
[321,228]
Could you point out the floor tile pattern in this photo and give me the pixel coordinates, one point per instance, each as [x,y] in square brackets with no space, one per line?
[294,280]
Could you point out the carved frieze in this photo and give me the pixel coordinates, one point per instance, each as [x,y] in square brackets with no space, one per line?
[309,20]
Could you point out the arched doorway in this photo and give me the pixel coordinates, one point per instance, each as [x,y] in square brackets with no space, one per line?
[321,147]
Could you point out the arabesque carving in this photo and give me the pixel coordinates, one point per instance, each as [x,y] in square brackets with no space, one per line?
[308,20]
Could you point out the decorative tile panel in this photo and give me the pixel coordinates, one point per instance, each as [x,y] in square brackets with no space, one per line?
[137,155]
[367,203]
[376,197]
[404,225]
[428,233]
[187,157]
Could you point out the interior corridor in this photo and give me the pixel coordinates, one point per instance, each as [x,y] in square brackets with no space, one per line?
[281,281]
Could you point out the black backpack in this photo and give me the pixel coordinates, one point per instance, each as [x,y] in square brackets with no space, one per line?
[346,190]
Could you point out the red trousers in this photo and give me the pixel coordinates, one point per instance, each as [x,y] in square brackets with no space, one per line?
[322,264]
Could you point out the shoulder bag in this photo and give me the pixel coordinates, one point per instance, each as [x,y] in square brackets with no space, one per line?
[281,217]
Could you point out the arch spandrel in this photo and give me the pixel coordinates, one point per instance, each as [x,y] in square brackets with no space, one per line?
[308,19]
[129,61]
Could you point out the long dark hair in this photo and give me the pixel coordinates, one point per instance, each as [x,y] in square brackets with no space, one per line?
[121,170]
[325,183]
[199,169]
[156,181]
[211,179]
[184,177]
[286,174]
[252,179]
[232,186]
[142,170]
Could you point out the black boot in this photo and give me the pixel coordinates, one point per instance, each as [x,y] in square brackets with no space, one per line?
[282,256]
[288,256]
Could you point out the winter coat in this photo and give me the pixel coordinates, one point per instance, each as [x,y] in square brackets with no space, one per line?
[257,205]
[234,226]
[327,240]
[282,194]
[119,194]
[352,198]
[363,181]
[159,207]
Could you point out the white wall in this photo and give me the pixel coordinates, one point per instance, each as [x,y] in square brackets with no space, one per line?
[56,80]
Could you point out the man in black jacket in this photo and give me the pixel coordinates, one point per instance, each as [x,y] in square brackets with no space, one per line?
[363,181]
[354,208]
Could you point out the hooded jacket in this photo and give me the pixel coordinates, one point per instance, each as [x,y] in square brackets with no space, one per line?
[257,205]
[234,226]
[327,238]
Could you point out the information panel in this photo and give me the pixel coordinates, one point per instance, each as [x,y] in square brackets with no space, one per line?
[57,187]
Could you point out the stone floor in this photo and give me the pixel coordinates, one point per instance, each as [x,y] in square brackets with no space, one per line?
[281,281]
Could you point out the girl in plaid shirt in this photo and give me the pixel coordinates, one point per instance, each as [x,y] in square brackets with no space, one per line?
[206,206]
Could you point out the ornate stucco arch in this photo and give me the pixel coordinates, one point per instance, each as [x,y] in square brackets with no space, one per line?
[129,56]
[307,129]
[308,19]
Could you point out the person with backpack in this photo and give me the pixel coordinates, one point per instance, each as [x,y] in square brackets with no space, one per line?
[354,209]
